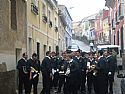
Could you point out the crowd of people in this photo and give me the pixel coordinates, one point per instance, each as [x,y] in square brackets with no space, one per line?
[71,73]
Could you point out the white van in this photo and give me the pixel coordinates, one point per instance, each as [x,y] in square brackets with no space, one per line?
[106,47]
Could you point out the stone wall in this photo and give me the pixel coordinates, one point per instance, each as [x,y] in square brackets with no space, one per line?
[7,82]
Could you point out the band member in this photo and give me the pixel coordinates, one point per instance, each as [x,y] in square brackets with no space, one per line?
[46,69]
[34,74]
[71,84]
[62,71]
[55,70]
[90,71]
[95,75]
[102,73]
[82,71]
[111,71]
[24,74]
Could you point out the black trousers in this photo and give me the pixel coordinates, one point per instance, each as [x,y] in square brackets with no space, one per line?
[110,83]
[103,83]
[90,81]
[71,84]
[95,84]
[82,81]
[55,80]
[61,82]
[24,82]
[46,83]
[34,83]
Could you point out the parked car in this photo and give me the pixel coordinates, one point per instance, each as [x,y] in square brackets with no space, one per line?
[73,47]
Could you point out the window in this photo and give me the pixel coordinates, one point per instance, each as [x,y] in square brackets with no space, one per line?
[55,21]
[49,14]
[49,48]
[13,15]
[116,17]
[38,50]
[35,2]
[44,9]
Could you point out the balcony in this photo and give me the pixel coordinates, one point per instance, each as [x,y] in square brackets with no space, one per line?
[44,18]
[34,8]
[56,28]
[50,24]
[121,11]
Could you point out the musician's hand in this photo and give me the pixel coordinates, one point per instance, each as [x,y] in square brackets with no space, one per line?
[51,75]
[30,77]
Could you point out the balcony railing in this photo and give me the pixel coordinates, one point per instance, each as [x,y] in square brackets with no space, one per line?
[45,19]
[34,8]
[56,28]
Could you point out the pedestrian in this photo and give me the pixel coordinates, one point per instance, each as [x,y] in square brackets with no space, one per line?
[34,74]
[46,70]
[24,74]
[55,70]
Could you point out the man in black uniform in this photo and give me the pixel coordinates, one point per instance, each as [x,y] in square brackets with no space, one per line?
[71,84]
[34,74]
[82,71]
[111,71]
[55,70]
[90,71]
[102,73]
[24,74]
[62,70]
[46,69]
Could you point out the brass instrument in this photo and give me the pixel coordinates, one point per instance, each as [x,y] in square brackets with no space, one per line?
[33,70]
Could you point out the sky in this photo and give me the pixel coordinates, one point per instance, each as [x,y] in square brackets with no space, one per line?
[79,9]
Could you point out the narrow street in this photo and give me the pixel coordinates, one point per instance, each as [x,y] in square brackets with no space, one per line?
[85,47]
[82,45]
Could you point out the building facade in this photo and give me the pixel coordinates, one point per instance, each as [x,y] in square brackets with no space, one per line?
[117,29]
[13,32]
[65,16]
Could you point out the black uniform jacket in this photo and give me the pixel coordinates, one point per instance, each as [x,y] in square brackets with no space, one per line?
[22,66]
[81,62]
[46,66]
